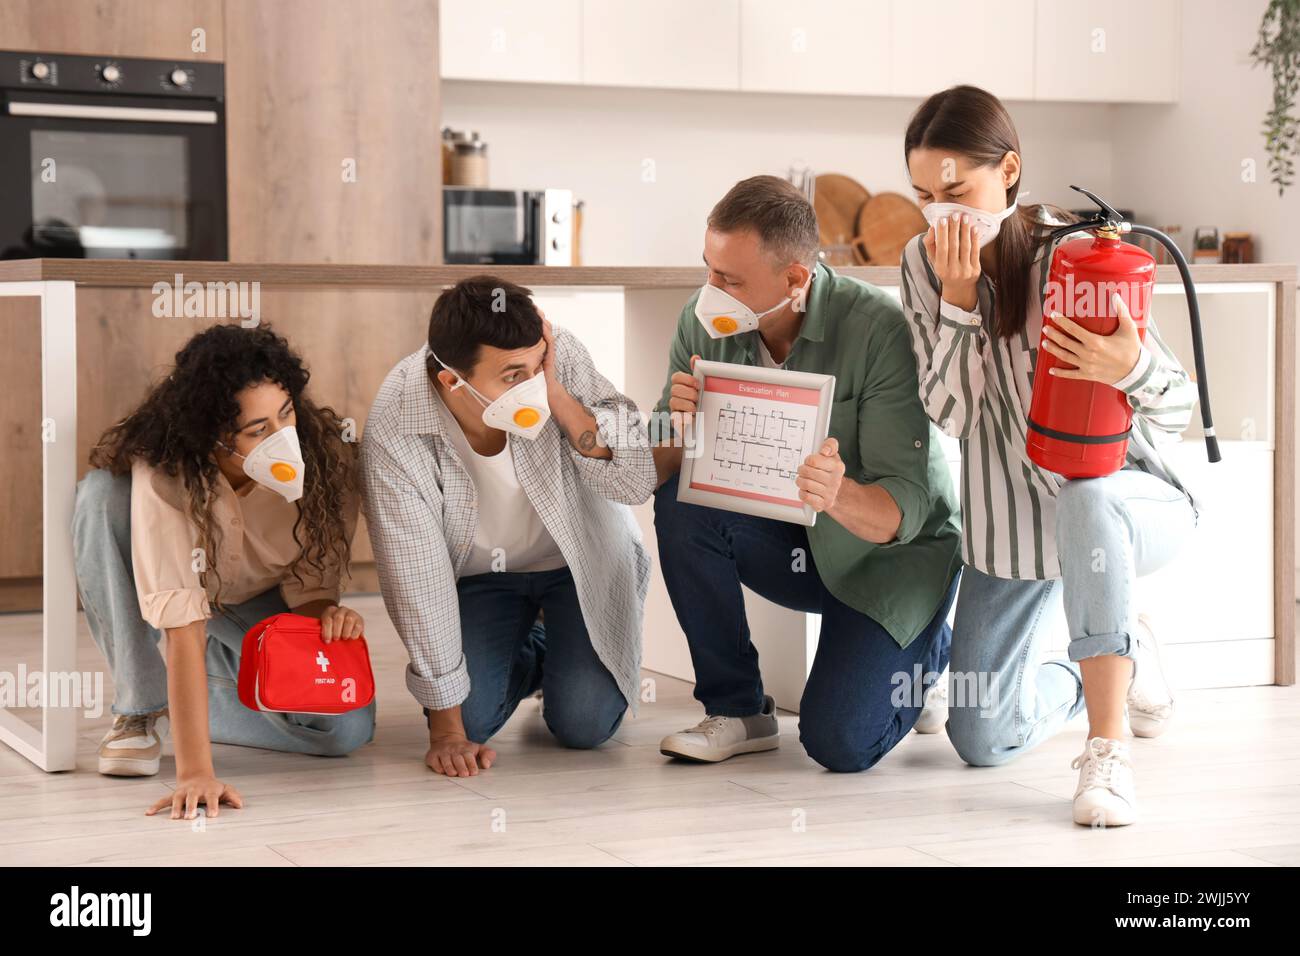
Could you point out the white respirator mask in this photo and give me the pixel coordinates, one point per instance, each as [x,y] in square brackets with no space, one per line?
[277,463]
[986,223]
[723,315]
[522,410]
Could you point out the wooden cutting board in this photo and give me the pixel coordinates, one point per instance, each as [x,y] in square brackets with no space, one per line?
[837,201]
[885,223]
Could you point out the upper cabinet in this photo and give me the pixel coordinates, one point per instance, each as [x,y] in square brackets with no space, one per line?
[684,44]
[310,179]
[941,43]
[818,46]
[1104,51]
[519,40]
[176,30]
[1115,51]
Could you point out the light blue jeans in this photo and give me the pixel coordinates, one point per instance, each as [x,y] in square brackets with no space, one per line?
[1003,698]
[101,535]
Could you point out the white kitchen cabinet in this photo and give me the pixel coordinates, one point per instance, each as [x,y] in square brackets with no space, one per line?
[1115,51]
[680,44]
[941,43]
[1107,51]
[512,40]
[819,46]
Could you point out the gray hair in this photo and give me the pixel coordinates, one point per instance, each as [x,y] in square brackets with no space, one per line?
[777,211]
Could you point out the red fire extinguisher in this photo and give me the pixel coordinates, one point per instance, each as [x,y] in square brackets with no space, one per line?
[1080,429]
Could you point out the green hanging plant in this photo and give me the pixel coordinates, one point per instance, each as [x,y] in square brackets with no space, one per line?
[1278,48]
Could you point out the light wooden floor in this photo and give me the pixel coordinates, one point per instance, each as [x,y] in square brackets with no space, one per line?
[1221,788]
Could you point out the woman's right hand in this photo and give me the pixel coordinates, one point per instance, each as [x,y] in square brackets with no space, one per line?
[189,793]
[955,254]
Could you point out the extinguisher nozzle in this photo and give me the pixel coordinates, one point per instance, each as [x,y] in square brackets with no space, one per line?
[1212,448]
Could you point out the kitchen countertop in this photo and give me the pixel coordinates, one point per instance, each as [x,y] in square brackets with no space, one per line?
[137,273]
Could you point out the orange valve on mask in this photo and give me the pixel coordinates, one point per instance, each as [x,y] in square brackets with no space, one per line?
[283,472]
[725,324]
[527,417]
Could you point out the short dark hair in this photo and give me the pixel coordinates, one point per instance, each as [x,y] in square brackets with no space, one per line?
[481,310]
[775,209]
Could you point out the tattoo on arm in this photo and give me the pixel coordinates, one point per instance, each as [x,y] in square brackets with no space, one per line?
[587,440]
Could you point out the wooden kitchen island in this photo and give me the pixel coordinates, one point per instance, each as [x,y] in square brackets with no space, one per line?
[80,340]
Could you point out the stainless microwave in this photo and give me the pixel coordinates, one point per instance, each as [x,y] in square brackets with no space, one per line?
[507,226]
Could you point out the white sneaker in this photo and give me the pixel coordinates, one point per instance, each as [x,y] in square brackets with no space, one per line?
[717,738]
[133,746]
[934,712]
[1107,792]
[1150,700]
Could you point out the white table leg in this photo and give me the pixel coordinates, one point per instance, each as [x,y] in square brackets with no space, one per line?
[54,746]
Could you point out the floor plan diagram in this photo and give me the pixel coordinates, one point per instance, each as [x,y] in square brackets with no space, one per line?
[752,436]
[761,441]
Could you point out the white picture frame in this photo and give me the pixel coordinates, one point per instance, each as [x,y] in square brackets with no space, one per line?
[753,428]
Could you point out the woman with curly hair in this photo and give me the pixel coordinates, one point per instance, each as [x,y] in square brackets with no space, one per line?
[189,525]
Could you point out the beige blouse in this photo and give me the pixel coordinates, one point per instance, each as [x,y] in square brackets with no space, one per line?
[256,549]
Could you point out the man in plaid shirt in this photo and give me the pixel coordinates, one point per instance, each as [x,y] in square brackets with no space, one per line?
[498,466]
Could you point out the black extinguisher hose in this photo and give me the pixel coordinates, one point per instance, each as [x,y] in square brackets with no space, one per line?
[1198,345]
[1110,217]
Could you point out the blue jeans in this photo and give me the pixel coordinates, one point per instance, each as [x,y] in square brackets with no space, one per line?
[510,655]
[859,700]
[101,537]
[1003,698]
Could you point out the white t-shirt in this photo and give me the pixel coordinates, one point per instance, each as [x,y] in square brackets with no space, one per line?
[509,535]
[765,357]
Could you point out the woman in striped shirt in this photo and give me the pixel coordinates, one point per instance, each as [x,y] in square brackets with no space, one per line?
[973,290]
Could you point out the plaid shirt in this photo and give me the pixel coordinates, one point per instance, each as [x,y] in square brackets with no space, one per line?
[421,508]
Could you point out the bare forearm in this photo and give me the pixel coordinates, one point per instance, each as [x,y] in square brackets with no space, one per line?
[867,511]
[187,699]
[444,723]
[579,425]
[668,462]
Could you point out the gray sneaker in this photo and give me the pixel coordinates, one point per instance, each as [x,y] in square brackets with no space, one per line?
[717,738]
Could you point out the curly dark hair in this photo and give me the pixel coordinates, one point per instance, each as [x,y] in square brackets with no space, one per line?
[178,425]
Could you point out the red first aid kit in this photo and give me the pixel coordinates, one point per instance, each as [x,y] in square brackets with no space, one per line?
[285,667]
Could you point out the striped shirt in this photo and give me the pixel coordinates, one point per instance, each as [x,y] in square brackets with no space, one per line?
[977,385]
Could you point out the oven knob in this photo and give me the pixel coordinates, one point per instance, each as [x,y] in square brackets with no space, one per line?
[40,71]
[110,73]
[179,77]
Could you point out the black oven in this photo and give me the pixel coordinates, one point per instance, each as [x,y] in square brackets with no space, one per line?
[111,157]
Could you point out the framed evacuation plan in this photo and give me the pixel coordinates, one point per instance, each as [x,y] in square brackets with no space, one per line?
[753,429]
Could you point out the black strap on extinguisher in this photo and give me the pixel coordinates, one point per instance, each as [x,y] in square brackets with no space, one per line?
[1108,217]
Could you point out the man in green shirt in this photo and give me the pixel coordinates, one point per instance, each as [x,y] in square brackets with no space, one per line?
[880,564]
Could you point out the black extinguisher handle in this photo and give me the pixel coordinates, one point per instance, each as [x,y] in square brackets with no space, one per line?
[1198,345]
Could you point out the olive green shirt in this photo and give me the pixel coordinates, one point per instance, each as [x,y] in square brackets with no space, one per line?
[857,333]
